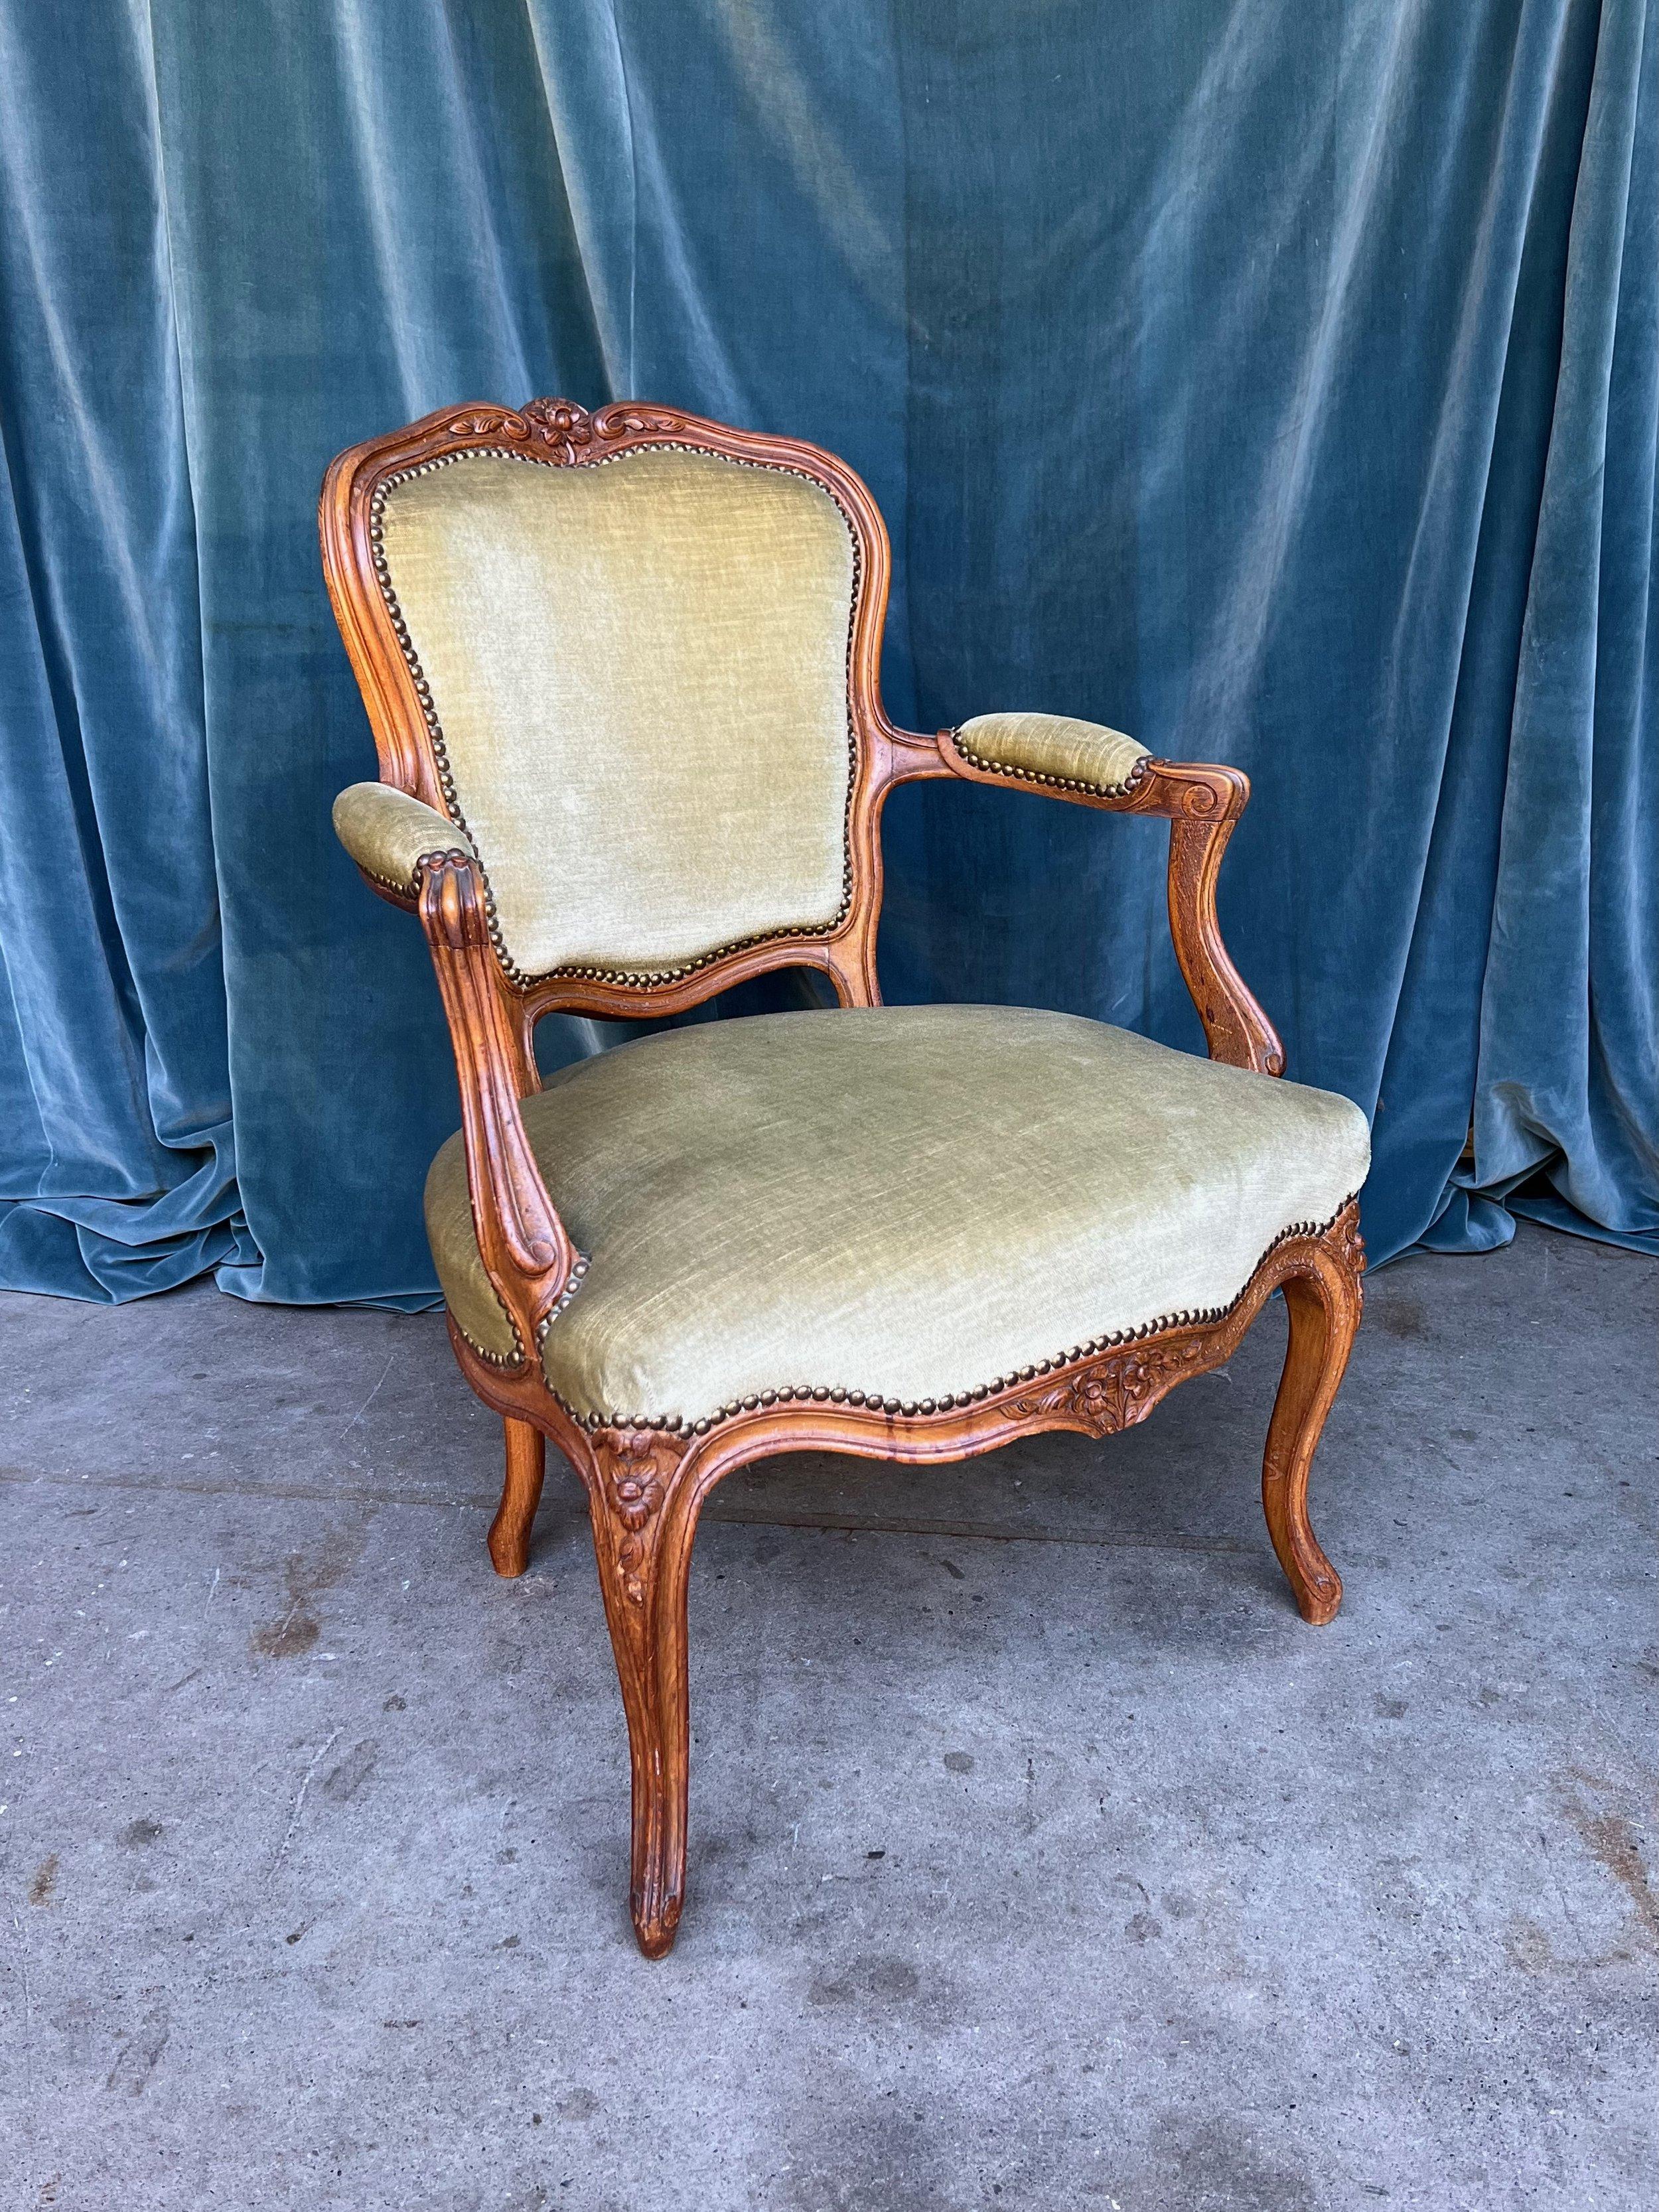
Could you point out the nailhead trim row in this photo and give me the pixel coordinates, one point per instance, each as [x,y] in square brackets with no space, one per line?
[1054,783]
[803,1394]
[409,888]
[573,1283]
[633,979]
[516,1357]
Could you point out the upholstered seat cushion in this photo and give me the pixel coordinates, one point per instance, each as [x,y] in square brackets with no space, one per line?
[909,1201]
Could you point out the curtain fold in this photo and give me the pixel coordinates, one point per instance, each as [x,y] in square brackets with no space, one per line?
[1568,1042]
[118,1164]
[1278,385]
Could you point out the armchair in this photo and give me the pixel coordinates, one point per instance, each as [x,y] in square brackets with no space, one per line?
[622,672]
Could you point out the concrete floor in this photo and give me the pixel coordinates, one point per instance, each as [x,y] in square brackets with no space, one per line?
[1041,1856]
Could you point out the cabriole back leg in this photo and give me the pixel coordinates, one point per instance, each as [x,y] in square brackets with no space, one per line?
[1324,1307]
[526,1462]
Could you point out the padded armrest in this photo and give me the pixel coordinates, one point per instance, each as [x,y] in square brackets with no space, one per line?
[1052,749]
[387,832]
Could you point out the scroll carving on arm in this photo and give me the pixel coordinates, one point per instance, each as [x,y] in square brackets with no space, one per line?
[1093,766]
[415,856]
[527,1255]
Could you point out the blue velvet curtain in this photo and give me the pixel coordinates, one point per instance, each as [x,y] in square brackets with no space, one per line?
[1276,382]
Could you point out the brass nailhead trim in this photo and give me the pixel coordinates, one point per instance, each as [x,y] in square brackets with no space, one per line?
[412,884]
[516,1357]
[573,1283]
[798,1392]
[1054,783]
[632,979]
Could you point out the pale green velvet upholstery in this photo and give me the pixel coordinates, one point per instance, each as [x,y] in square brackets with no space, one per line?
[1053,749]
[638,669]
[386,832]
[909,1201]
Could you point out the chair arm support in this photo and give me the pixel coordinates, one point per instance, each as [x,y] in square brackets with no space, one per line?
[1093,766]
[527,1255]
[1203,804]
[388,834]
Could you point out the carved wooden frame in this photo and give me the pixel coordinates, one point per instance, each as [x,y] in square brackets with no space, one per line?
[646,1484]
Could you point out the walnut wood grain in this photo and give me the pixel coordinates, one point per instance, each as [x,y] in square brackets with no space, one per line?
[645,1486]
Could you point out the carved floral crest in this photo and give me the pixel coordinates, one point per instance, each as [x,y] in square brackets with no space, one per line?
[562,431]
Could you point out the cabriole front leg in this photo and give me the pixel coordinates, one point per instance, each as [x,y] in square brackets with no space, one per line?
[642,1539]
[1324,1304]
[526,1464]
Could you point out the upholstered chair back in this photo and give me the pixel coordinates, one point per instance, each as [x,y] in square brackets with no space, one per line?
[635,674]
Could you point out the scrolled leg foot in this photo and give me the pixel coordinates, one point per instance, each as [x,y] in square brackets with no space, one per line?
[527,1463]
[655,1904]
[1324,1313]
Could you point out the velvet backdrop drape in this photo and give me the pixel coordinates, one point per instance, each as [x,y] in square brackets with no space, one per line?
[1275,382]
